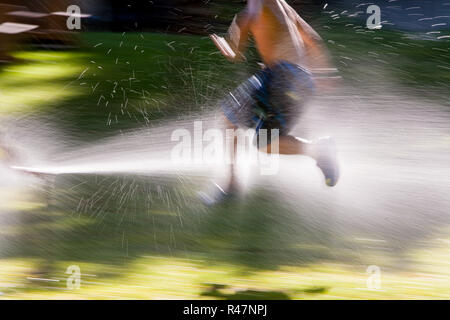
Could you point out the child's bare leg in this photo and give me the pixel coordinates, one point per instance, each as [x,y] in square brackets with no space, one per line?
[219,192]
[232,180]
[323,150]
[292,145]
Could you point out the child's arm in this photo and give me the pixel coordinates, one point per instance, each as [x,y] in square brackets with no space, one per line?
[319,62]
[316,52]
[234,45]
[223,46]
[315,49]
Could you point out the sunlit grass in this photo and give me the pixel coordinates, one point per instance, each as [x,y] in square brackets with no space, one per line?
[155,277]
[32,98]
[49,56]
[38,81]
[21,74]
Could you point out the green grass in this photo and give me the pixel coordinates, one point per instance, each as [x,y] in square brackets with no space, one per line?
[38,82]
[117,81]
[161,277]
[383,60]
[144,249]
[141,77]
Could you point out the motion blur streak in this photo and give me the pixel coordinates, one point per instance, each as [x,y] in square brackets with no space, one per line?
[395,165]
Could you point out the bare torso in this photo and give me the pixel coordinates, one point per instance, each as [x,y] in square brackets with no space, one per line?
[269,27]
[280,35]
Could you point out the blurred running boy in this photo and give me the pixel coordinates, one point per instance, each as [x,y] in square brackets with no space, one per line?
[274,98]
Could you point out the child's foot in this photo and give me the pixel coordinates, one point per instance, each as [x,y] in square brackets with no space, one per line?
[326,160]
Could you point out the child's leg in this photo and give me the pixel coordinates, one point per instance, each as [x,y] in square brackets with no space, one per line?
[323,150]
[232,181]
[218,192]
[292,145]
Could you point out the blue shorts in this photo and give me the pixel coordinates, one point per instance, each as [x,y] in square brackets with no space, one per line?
[271,99]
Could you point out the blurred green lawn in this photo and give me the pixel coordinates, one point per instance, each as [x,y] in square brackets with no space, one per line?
[120,81]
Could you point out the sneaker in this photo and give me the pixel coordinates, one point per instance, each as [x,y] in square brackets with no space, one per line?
[327,161]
